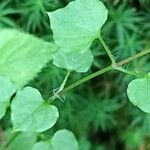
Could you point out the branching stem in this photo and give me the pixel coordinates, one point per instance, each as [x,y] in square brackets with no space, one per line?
[107,69]
[140,54]
[126,71]
[107,50]
[93,75]
[63,90]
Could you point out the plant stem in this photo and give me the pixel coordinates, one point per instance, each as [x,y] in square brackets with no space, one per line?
[12,139]
[64,82]
[107,50]
[102,71]
[93,75]
[141,54]
[59,90]
[126,71]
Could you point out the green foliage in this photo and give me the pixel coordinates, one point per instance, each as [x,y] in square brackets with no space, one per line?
[15,60]
[59,142]
[139,93]
[24,141]
[145,3]
[84,144]
[62,139]
[98,112]
[77,34]
[34,15]
[5,11]
[133,139]
[125,23]
[36,116]
[42,145]
[7,89]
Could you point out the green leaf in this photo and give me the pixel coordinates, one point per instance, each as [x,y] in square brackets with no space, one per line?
[24,141]
[64,140]
[22,55]
[7,89]
[31,113]
[79,62]
[78,24]
[139,93]
[42,146]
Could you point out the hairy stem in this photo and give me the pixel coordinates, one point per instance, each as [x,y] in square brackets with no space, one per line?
[126,71]
[141,54]
[107,69]
[93,75]
[107,50]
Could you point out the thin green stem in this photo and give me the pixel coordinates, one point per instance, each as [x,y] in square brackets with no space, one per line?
[107,50]
[141,54]
[60,89]
[64,82]
[126,71]
[93,75]
[12,139]
[109,68]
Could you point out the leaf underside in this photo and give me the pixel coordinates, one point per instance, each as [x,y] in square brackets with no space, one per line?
[75,27]
[80,62]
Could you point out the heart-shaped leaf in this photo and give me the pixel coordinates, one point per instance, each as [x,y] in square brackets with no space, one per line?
[139,93]
[64,140]
[22,55]
[31,113]
[80,62]
[7,89]
[78,24]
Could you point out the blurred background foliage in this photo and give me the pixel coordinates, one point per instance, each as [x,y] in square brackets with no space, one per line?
[98,112]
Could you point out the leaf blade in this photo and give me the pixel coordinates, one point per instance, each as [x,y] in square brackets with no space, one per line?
[59,142]
[80,24]
[139,93]
[23,55]
[7,89]
[36,115]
